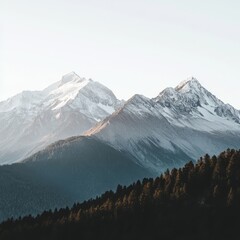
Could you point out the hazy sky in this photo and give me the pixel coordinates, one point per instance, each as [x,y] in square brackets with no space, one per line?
[131,46]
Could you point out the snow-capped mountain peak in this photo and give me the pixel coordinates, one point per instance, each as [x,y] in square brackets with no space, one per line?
[188,94]
[85,95]
[66,91]
[190,100]
[189,84]
[34,119]
[167,94]
[71,77]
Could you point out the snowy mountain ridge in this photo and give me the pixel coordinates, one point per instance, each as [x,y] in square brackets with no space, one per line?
[190,98]
[180,123]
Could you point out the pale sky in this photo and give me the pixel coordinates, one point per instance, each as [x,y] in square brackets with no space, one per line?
[131,46]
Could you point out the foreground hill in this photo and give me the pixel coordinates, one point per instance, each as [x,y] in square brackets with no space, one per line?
[65,172]
[200,201]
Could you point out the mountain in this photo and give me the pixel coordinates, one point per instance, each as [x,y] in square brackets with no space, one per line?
[32,120]
[180,124]
[200,201]
[65,172]
[142,138]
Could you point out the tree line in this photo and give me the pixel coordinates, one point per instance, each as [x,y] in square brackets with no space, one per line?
[197,201]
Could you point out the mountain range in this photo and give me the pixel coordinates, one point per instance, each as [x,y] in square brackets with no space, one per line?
[186,120]
[97,141]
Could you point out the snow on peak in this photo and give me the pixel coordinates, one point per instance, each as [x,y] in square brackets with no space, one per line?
[191,99]
[66,91]
[91,98]
[191,91]
[71,77]
[188,85]
[96,101]
[190,88]
[168,92]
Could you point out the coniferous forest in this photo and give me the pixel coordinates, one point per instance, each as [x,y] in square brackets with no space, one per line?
[199,201]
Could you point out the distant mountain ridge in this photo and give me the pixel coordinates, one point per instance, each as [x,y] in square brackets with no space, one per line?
[31,120]
[180,123]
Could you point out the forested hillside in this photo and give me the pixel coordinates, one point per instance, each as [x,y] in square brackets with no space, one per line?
[65,172]
[200,201]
